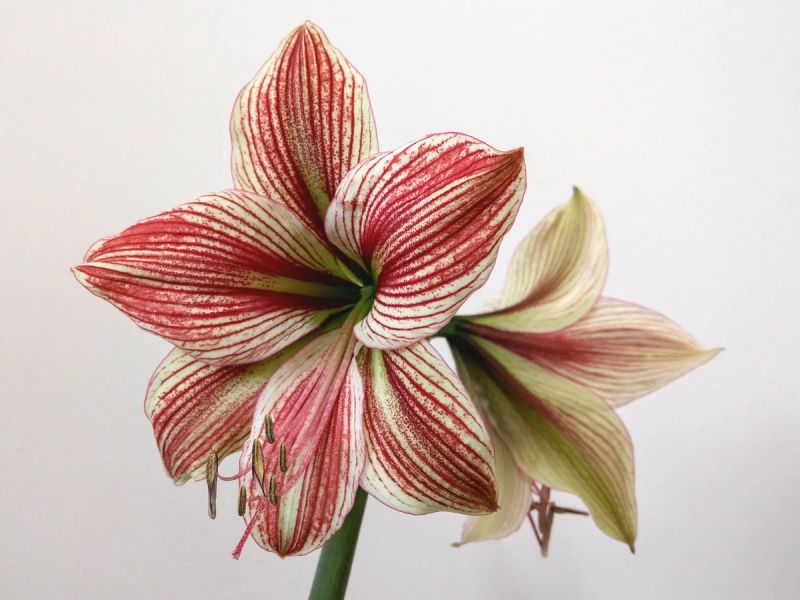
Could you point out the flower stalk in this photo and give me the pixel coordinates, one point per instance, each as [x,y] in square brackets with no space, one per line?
[336,558]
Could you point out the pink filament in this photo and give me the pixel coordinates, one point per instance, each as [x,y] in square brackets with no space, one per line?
[237,552]
[235,476]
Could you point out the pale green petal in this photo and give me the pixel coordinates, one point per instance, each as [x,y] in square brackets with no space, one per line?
[619,350]
[560,434]
[556,273]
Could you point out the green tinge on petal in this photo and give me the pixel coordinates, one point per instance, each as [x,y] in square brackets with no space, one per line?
[618,350]
[557,272]
[559,433]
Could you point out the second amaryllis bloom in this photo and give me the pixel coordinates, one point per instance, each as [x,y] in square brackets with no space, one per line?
[548,367]
[299,304]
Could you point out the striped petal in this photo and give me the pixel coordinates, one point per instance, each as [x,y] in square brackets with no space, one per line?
[198,409]
[230,278]
[620,351]
[560,434]
[556,273]
[425,221]
[427,448]
[302,123]
[513,498]
[313,453]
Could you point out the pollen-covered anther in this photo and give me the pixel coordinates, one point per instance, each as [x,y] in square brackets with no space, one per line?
[273,490]
[258,464]
[283,461]
[212,465]
[242,501]
[269,429]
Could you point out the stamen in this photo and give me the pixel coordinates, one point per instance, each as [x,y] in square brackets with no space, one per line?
[282,460]
[242,500]
[258,463]
[211,480]
[273,490]
[269,429]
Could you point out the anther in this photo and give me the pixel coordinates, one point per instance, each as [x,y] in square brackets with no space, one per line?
[273,490]
[258,463]
[283,463]
[269,429]
[211,479]
[242,501]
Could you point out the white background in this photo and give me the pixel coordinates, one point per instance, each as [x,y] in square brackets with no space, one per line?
[680,119]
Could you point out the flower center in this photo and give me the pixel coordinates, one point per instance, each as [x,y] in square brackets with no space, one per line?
[368,291]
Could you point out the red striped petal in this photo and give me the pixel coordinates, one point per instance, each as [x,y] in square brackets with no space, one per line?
[426,221]
[230,278]
[620,351]
[302,123]
[197,409]
[560,434]
[315,401]
[427,448]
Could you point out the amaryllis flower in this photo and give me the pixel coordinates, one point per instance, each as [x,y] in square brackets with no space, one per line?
[548,367]
[299,304]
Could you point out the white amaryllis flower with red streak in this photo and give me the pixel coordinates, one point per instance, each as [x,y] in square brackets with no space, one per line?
[548,367]
[299,304]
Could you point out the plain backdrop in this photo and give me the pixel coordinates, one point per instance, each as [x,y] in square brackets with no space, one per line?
[680,119]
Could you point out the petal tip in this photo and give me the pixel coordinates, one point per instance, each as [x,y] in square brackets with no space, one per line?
[516,157]
[705,355]
[309,25]
[80,274]
[578,197]
[307,30]
[517,153]
[629,533]
[487,503]
[179,480]
[493,506]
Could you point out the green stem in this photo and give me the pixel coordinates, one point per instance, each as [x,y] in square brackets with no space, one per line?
[333,568]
